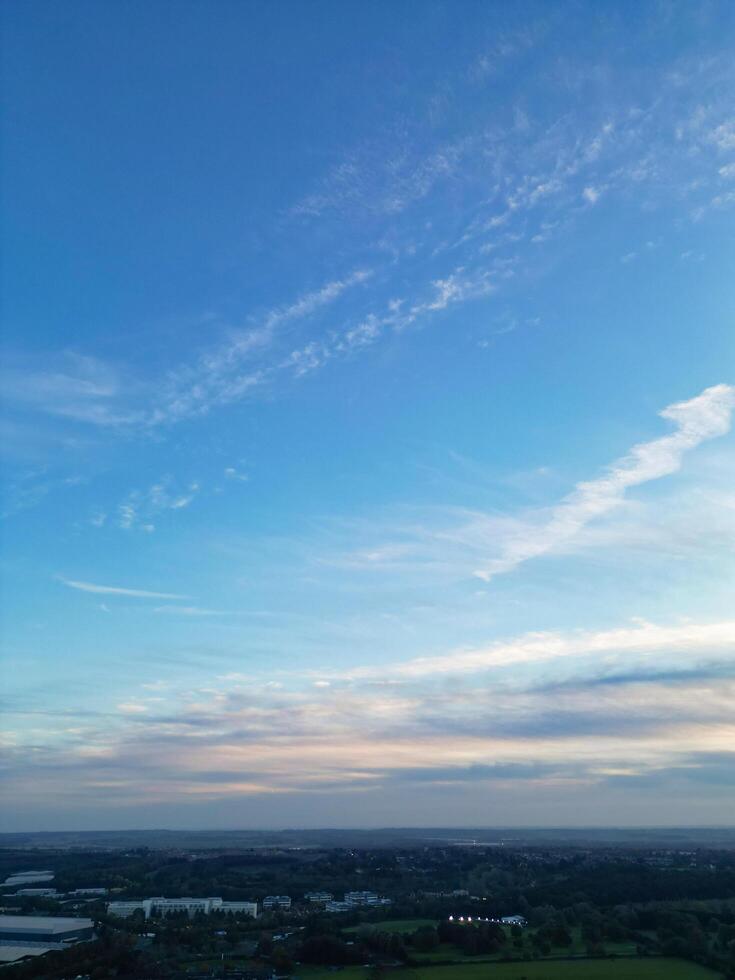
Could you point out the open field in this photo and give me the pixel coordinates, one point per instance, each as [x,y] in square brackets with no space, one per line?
[631,969]
[446,952]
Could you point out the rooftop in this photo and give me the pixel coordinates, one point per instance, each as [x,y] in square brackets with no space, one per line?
[9,952]
[42,923]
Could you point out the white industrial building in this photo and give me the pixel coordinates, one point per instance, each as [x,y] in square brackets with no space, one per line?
[44,929]
[28,878]
[25,936]
[160,906]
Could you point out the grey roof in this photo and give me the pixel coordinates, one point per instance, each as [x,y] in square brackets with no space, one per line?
[29,877]
[41,923]
[16,951]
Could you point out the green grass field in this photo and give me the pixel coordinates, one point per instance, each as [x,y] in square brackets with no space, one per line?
[632,969]
[445,952]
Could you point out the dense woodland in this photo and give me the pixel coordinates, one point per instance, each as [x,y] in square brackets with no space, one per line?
[595,902]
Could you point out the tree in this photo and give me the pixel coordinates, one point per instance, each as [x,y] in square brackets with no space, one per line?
[281,961]
[425,939]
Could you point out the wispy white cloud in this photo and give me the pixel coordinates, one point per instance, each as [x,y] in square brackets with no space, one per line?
[507,165]
[232,473]
[70,385]
[457,287]
[505,47]
[311,302]
[191,610]
[704,417]
[140,508]
[373,181]
[131,708]
[688,639]
[244,736]
[723,135]
[230,372]
[460,285]
[31,487]
[85,389]
[118,590]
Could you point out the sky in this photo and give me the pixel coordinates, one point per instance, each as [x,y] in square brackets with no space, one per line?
[368,374]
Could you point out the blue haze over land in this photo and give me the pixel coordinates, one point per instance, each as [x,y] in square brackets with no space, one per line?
[368,376]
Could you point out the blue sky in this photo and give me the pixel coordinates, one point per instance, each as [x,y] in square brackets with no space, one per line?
[368,375]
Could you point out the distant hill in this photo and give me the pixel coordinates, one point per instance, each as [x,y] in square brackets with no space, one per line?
[694,837]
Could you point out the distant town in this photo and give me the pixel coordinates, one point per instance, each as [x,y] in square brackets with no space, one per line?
[430,911]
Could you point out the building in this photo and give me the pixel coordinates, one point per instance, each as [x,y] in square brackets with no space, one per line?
[44,929]
[14,953]
[124,910]
[160,906]
[29,878]
[513,920]
[38,892]
[172,906]
[353,900]
[369,899]
[192,906]
[319,897]
[88,891]
[276,902]
[246,908]
[338,907]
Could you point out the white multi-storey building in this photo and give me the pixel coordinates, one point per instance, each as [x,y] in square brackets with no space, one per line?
[125,909]
[247,908]
[338,907]
[354,900]
[319,897]
[365,898]
[170,906]
[160,906]
[271,902]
